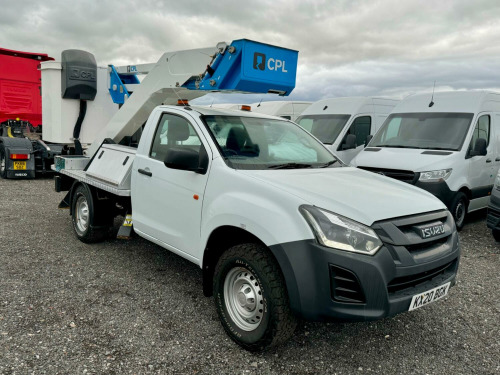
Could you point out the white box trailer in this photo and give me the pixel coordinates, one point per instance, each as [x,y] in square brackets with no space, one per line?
[343,124]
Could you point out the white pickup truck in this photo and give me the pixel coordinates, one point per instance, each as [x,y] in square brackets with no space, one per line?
[280,228]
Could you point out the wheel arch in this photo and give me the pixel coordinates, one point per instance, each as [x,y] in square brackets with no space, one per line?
[221,239]
[466,191]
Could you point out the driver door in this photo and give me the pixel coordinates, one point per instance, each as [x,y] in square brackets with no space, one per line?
[482,168]
[167,203]
[361,128]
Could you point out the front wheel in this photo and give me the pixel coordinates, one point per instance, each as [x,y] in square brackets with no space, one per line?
[251,298]
[459,209]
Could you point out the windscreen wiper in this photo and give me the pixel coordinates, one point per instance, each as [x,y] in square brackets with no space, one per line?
[290,166]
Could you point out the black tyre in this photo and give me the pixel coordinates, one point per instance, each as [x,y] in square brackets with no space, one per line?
[458,209]
[251,298]
[496,234]
[3,162]
[85,211]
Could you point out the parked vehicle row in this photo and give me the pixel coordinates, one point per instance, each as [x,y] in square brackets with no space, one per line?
[447,143]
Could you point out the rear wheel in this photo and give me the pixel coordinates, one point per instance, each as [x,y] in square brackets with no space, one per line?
[3,162]
[84,208]
[459,209]
[251,298]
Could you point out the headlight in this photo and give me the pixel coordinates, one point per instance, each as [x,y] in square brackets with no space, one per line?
[341,233]
[433,176]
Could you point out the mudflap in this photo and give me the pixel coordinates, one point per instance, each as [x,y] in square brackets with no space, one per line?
[14,169]
[126,229]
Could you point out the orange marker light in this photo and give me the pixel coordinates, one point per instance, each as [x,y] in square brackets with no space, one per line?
[246,108]
[196,197]
[182,102]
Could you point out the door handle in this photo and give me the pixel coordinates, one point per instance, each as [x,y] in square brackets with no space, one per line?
[497,159]
[488,160]
[145,172]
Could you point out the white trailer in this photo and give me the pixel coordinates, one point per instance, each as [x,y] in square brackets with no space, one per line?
[280,227]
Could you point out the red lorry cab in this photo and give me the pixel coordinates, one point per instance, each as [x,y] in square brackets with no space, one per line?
[20,85]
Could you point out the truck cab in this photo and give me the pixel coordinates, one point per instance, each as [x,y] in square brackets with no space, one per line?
[448,144]
[344,124]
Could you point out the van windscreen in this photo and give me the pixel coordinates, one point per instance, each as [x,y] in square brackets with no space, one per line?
[324,127]
[434,131]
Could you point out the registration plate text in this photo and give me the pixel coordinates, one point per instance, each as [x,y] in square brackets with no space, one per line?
[429,296]
[19,165]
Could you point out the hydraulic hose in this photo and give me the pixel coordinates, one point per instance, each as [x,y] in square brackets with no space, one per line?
[78,127]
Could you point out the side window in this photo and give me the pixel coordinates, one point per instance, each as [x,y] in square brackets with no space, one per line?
[482,130]
[361,129]
[172,131]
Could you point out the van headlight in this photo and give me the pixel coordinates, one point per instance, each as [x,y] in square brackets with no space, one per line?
[433,176]
[341,233]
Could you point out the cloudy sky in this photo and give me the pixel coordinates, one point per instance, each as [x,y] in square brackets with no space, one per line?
[346,47]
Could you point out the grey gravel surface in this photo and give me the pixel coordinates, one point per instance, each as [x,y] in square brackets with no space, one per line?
[130,307]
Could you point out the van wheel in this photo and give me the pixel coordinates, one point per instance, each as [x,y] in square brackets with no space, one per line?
[496,234]
[459,209]
[3,162]
[251,298]
[83,207]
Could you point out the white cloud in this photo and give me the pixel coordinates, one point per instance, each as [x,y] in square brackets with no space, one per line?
[382,47]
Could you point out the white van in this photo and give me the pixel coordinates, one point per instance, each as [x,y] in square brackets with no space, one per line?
[289,110]
[343,124]
[448,145]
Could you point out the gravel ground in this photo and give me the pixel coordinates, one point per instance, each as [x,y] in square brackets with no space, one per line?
[130,307]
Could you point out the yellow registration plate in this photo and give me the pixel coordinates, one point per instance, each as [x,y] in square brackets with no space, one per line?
[19,165]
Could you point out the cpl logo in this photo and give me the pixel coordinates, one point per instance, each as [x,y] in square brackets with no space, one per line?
[259,62]
[82,74]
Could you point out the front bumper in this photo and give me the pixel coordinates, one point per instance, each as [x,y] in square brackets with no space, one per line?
[317,277]
[439,189]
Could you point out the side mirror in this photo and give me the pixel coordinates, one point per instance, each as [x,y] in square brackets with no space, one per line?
[350,142]
[479,148]
[368,139]
[187,159]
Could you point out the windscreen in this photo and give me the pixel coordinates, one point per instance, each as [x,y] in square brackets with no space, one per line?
[324,127]
[262,143]
[436,131]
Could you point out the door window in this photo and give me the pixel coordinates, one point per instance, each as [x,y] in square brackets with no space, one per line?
[360,128]
[173,131]
[482,130]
